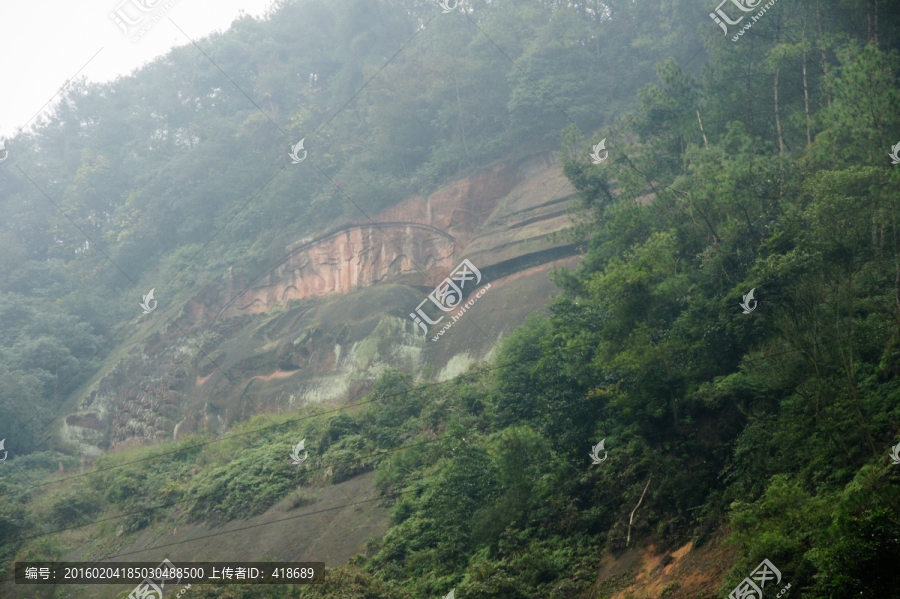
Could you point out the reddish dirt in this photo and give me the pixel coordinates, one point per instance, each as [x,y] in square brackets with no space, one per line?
[278,374]
[685,572]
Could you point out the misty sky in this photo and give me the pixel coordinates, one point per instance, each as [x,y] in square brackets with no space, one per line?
[49,41]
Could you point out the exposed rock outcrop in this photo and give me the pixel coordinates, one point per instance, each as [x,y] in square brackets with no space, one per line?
[332,313]
[357,256]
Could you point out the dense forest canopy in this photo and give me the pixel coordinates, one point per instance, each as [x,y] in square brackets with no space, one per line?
[761,163]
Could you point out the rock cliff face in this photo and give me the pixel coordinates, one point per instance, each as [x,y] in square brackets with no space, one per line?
[327,317]
[417,242]
[357,256]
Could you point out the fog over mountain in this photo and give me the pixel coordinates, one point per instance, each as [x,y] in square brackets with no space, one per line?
[466,299]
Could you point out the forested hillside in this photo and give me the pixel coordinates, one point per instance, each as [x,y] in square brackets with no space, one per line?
[173,176]
[758,164]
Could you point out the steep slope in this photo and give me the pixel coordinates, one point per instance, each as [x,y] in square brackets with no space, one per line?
[687,572]
[333,312]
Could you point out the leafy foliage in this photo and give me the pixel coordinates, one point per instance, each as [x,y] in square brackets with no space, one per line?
[774,425]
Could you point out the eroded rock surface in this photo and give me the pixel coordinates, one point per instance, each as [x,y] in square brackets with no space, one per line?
[326,318]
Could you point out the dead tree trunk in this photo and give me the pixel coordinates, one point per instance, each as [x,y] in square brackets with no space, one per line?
[777,115]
